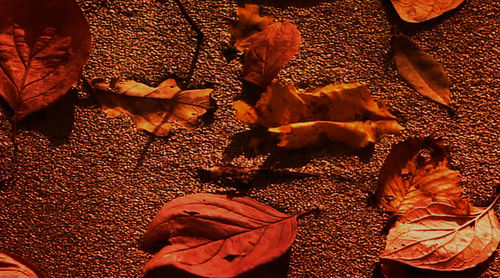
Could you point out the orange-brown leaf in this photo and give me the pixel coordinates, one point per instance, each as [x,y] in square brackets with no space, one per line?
[415,11]
[444,234]
[422,72]
[214,236]
[43,47]
[249,23]
[155,110]
[416,169]
[12,268]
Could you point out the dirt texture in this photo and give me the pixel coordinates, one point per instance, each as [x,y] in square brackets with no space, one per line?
[87,185]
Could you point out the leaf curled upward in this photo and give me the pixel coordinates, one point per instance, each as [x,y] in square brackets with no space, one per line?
[422,72]
[156,110]
[416,169]
[12,268]
[342,113]
[214,236]
[43,47]
[415,11]
[249,23]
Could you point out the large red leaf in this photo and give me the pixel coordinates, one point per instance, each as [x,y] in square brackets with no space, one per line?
[43,47]
[214,236]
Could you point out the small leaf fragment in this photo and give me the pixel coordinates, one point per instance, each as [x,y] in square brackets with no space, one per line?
[444,234]
[249,23]
[415,11]
[155,110]
[269,51]
[416,169]
[420,70]
[225,238]
[12,268]
[43,47]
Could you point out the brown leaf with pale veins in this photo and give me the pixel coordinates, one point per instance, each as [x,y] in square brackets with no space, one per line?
[422,72]
[444,234]
[215,236]
[416,169]
[155,110]
[415,11]
[269,51]
[12,268]
[249,23]
[43,47]
[343,113]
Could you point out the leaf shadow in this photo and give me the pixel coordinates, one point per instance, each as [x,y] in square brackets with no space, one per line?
[283,3]
[277,268]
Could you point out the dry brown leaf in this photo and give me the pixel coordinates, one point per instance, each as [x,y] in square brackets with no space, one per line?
[12,268]
[444,234]
[43,47]
[415,11]
[156,110]
[416,169]
[422,72]
[215,236]
[269,51]
[343,113]
[249,23]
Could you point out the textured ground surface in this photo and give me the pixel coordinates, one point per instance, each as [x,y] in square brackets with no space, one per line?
[88,185]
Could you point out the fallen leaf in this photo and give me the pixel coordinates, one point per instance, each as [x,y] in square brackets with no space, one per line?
[12,268]
[415,11]
[213,236]
[249,23]
[269,51]
[444,234]
[43,47]
[342,113]
[416,169]
[156,110]
[422,72]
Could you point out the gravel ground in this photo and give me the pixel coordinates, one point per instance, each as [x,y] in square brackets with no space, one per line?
[88,185]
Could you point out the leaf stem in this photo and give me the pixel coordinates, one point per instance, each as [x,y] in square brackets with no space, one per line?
[314,210]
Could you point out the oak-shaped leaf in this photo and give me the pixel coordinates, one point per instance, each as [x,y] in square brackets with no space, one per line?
[342,113]
[416,169]
[215,236]
[43,47]
[415,11]
[248,24]
[269,51]
[13,268]
[444,234]
[420,70]
[154,109]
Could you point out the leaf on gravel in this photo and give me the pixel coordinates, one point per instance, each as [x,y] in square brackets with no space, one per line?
[343,113]
[422,72]
[249,23]
[415,11]
[43,47]
[444,234]
[12,268]
[416,169]
[269,51]
[156,110]
[212,236]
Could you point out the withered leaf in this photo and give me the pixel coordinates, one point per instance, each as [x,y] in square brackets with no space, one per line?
[156,110]
[416,169]
[415,11]
[12,268]
[213,236]
[444,234]
[342,113]
[43,47]
[269,51]
[249,23]
[422,72]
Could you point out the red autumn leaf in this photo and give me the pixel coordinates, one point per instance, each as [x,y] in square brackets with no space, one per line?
[12,268]
[269,51]
[43,47]
[214,236]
